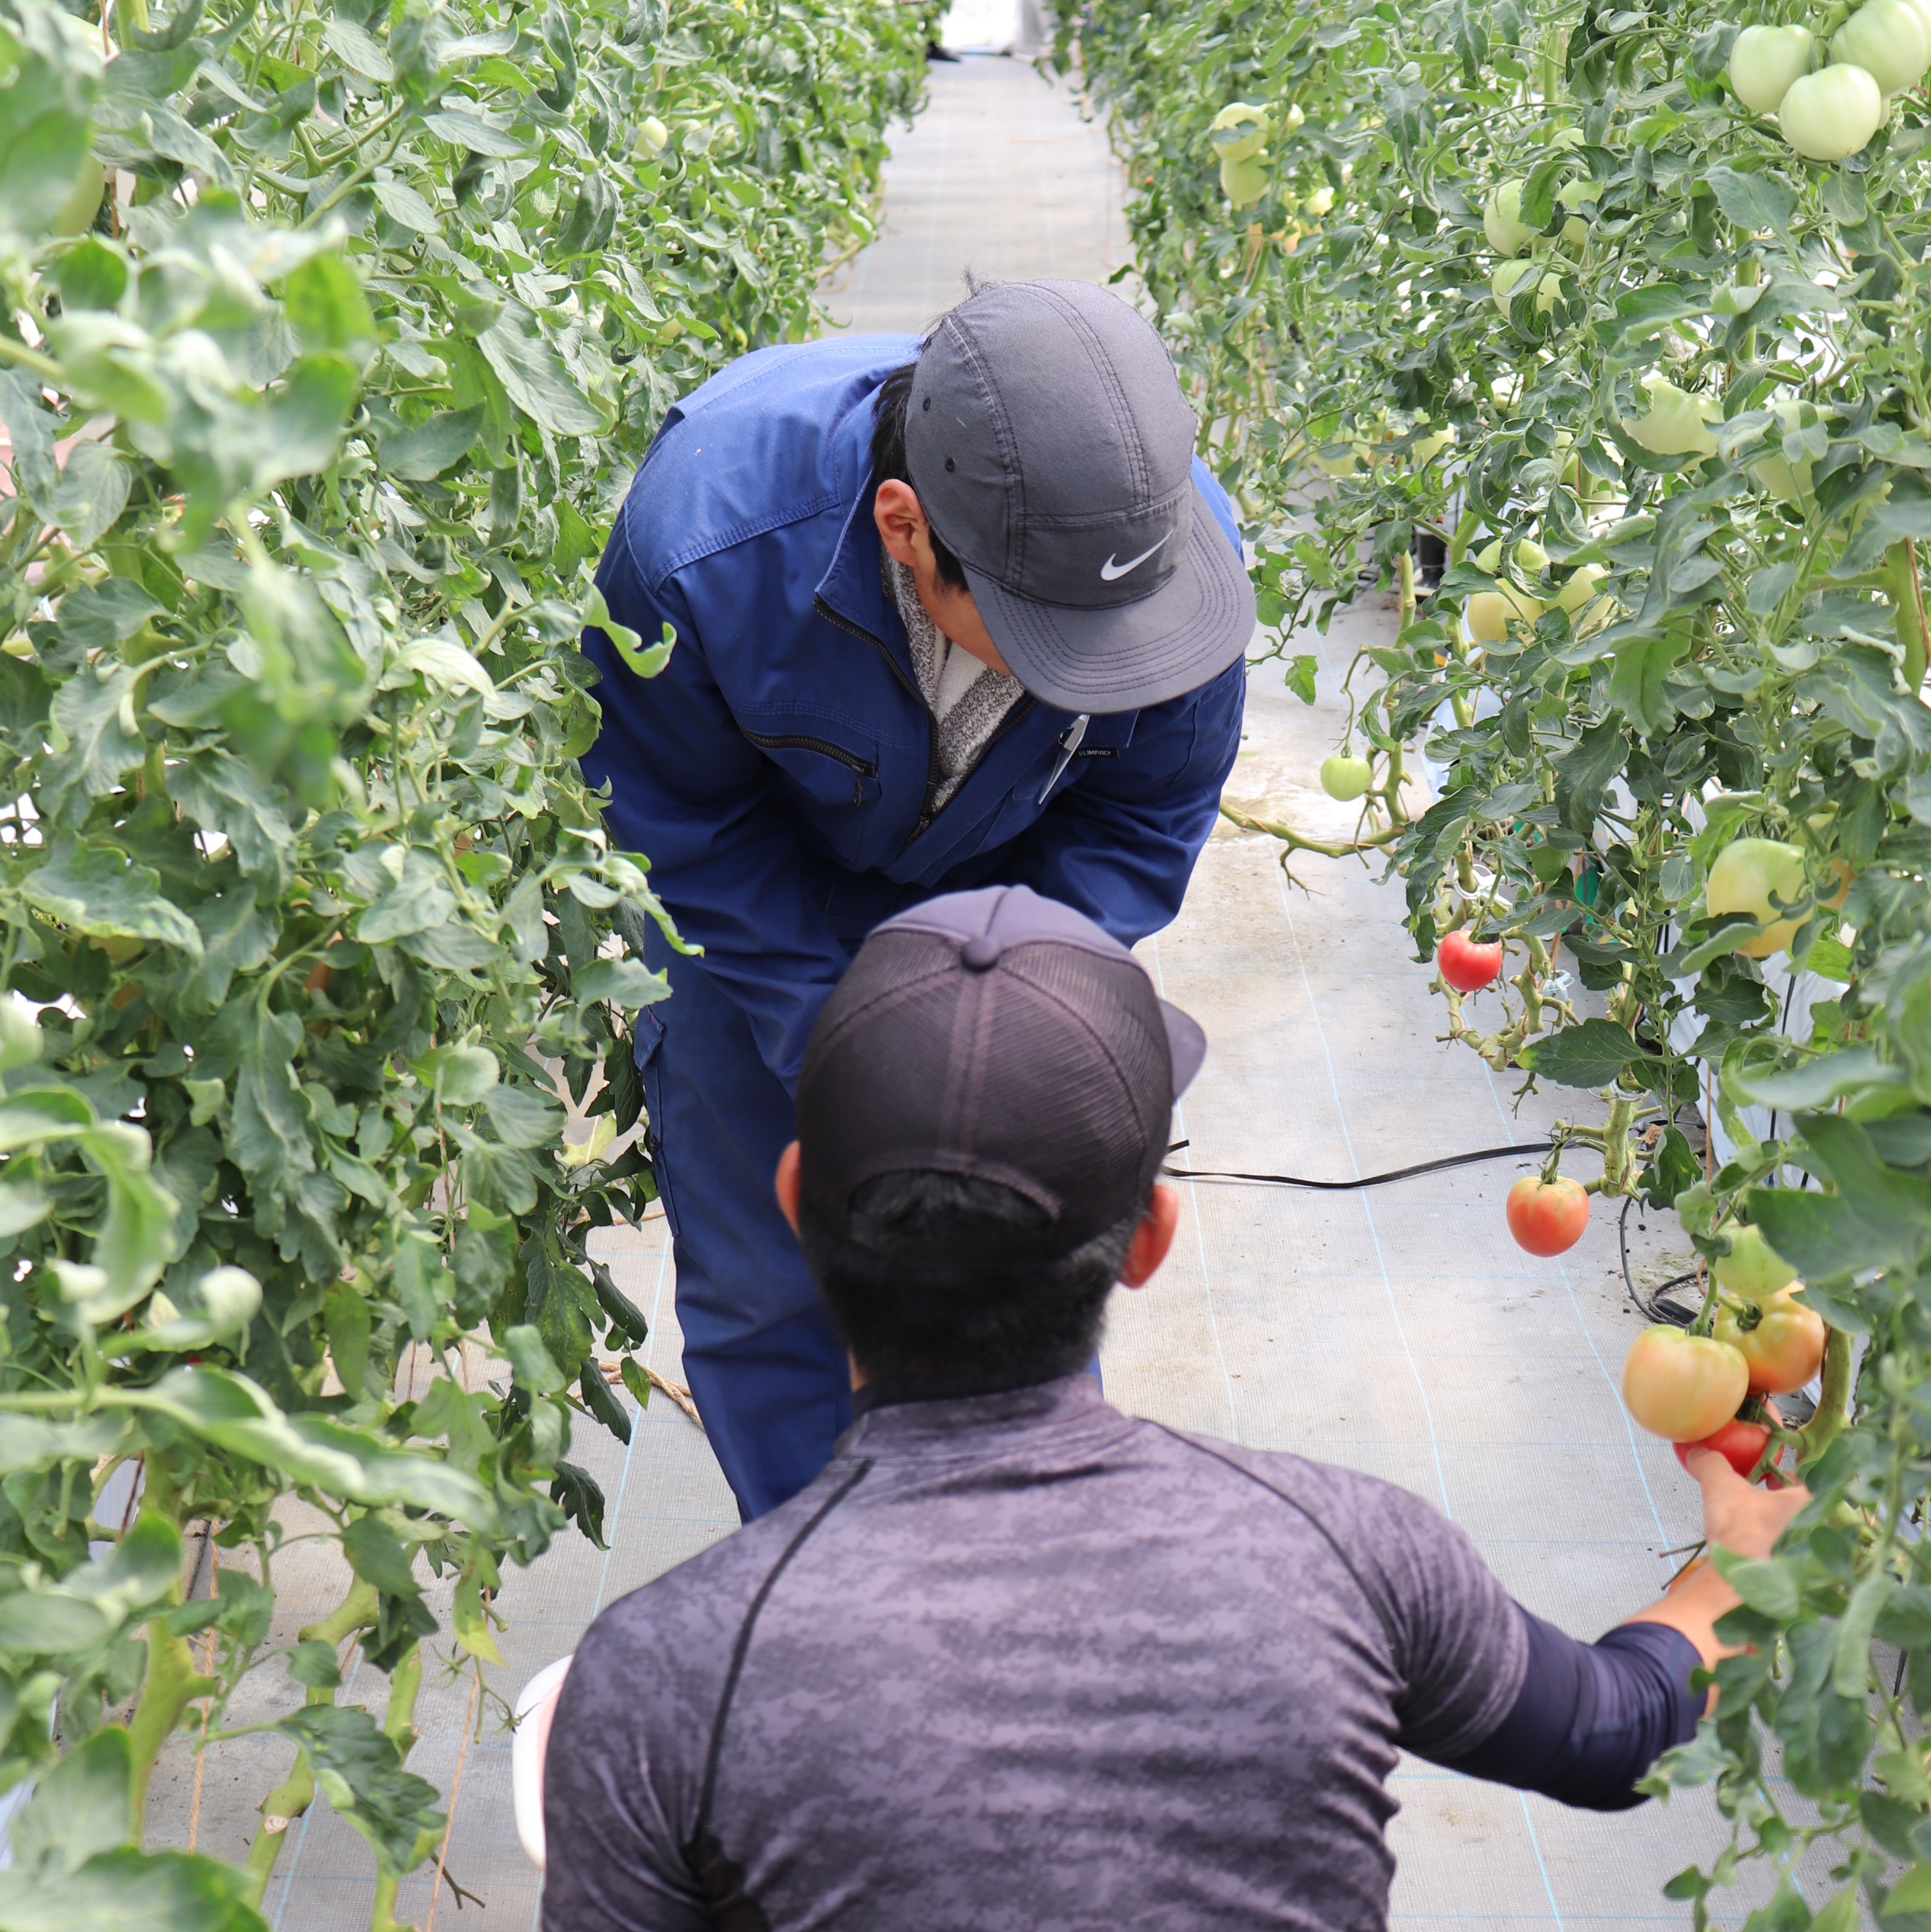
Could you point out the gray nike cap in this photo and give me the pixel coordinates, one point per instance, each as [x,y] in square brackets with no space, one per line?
[1051,451]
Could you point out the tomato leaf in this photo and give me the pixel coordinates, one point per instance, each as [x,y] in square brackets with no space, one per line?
[1590,1054]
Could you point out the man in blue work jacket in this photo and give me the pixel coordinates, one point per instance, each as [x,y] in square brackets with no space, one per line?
[949,613]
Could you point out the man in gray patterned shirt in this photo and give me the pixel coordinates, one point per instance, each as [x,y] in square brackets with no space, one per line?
[1015,1662]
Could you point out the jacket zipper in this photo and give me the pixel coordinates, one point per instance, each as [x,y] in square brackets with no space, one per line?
[932,774]
[1005,724]
[861,769]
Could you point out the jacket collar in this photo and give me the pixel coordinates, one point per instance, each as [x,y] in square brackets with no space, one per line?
[853,587]
[970,1427]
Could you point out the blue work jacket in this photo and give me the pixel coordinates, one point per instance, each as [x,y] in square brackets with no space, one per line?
[777,772]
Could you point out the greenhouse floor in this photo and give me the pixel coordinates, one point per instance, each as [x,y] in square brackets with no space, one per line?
[1399,1331]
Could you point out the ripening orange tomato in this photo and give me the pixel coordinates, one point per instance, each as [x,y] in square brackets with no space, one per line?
[1781,1342]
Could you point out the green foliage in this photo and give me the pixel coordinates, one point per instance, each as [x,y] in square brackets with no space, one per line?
[1708,387]
[330,342]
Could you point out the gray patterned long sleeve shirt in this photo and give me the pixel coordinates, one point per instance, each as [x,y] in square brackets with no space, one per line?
[1020,1662]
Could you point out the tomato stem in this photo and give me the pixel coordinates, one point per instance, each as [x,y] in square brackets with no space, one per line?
[1833,1398]
[1903,587]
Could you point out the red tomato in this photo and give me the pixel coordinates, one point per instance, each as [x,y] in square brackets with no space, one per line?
[1739,1443]
[1548,1219]
[1783,1347]
[1683,1387]
[1467,965]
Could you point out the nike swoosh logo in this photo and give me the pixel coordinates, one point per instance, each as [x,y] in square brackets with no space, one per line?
[1111,572]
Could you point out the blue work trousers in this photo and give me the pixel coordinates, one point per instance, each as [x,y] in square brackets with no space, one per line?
[764,1363]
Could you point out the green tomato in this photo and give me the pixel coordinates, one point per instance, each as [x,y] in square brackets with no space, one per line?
[1344,776]
[1675,423]
[1736,298]
[1752,1268]
[1581,588]
[1322,199]
[1501,220]
[1238,131]
[1888,39]
[21,1039]
[1531,560]
[1507,277]
[1429,447]
[1828,115]
[1788,482]
[652,138]
[77,212]
[1244,182]
[1586,611]
[1744,876]
[1489,557]
[1548,294]
[1764,60]
[1488,612]
[1572,195]
[1564,139]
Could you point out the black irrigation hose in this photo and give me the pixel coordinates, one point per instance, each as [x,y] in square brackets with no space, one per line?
[1655,1307]
[1367,1180]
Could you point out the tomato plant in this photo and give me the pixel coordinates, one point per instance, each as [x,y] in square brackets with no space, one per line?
[1641,294]
[329,342]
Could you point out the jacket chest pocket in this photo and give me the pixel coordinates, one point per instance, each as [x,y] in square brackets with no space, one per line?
[826,772]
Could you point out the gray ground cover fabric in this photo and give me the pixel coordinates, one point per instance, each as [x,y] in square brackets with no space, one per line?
[1399,1332]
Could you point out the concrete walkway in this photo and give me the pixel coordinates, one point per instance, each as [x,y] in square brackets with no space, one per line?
[1399,1331]
[1000,181]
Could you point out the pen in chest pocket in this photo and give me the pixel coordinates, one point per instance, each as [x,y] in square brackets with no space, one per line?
[1069,742]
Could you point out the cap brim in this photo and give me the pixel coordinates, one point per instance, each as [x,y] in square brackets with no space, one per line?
[1186,1045]
[1129,655]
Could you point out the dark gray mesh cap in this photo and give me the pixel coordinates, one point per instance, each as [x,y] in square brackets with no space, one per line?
[1051,449]
[1002,1035]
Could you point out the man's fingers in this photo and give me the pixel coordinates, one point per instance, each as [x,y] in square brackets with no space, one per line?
[1713,1474]
[1737,1514]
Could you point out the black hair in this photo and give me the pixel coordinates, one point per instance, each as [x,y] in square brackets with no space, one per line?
[945,1284]
[888,460]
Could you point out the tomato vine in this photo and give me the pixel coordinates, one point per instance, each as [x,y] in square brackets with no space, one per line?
[1537,320]
[329,342]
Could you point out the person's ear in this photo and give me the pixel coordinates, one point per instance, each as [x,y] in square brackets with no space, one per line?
[1151,1239]
[901,520]
[786,1184]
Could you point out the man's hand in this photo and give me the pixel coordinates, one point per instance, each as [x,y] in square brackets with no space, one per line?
[1738,1517]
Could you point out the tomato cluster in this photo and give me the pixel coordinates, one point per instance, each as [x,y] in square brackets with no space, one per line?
[1688,1385]
[1829,112]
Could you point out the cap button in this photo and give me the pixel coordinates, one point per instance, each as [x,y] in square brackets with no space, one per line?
[980,954]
